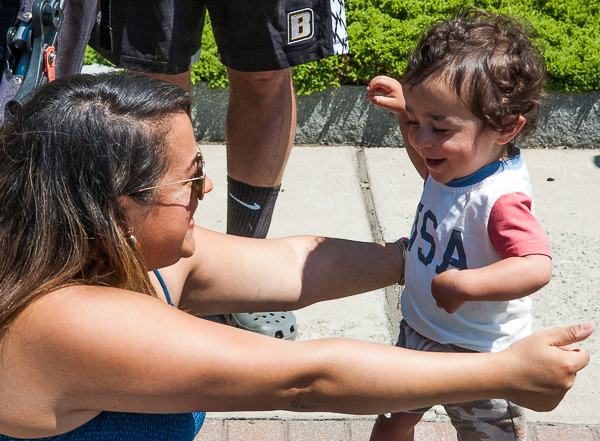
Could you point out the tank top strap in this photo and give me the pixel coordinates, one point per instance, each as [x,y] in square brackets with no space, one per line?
[164,287]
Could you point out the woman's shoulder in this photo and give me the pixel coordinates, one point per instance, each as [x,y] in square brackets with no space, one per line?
[90,310]
[68,347]
[78,301]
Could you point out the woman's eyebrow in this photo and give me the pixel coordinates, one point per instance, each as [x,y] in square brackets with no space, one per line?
[192,166]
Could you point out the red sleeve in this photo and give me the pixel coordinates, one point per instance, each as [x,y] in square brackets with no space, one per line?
[514,230]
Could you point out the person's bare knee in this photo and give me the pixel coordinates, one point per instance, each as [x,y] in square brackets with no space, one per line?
[180,80]
[265,84]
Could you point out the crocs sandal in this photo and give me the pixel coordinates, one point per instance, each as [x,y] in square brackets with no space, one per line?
[281,324]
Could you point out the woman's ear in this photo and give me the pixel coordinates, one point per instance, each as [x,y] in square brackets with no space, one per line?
[128,206]
[507,135]
[125,202]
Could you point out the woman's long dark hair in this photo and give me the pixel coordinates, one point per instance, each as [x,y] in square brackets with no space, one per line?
[66,158]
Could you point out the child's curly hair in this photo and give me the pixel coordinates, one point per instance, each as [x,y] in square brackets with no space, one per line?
[491,63]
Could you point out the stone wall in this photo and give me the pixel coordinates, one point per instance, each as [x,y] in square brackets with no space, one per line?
[342,116]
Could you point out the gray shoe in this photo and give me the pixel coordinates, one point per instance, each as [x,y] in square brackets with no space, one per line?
[281,324]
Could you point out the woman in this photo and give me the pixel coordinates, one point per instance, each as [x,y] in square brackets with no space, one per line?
[99,180]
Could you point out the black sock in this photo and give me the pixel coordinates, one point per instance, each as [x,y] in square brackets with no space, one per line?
[249,208]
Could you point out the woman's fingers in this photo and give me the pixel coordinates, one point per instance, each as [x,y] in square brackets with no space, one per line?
[566,336]
[546,366]
[575,334]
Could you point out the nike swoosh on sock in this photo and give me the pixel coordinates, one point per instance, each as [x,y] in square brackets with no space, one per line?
[254,206]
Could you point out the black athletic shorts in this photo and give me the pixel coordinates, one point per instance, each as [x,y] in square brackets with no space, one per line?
[164,36]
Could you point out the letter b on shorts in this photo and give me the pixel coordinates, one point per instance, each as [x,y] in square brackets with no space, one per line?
[300,25]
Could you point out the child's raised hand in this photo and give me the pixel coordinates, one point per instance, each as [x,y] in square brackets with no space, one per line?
[445,293]
[387,93]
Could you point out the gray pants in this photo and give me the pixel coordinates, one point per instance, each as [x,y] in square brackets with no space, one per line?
[491,420]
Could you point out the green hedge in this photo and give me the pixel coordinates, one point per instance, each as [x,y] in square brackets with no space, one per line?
[382,31]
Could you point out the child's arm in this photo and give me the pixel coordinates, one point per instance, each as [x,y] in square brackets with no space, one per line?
[525,266]
[505,280]
[387,93]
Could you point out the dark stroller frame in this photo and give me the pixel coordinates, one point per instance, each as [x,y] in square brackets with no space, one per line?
[28,55]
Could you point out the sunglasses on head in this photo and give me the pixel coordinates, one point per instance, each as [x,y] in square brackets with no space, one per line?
[198,181]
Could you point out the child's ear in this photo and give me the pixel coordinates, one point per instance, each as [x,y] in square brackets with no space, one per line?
[508,134]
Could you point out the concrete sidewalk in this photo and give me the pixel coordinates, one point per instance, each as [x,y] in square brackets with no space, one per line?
[361,194]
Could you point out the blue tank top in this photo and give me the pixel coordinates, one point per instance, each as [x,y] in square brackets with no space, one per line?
[122,426]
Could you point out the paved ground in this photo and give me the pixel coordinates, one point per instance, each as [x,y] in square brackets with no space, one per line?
[360,194]
[360,430]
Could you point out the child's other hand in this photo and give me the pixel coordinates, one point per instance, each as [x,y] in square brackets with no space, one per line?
[387,93]
[445,293]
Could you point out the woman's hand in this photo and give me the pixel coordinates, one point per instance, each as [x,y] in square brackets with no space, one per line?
[545,365]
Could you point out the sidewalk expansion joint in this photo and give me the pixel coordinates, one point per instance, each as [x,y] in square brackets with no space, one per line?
[365,185]
[392,293]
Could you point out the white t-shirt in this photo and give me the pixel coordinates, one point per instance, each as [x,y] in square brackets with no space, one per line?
[472,222]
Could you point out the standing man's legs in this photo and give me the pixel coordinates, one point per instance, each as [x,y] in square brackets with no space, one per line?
[260,129]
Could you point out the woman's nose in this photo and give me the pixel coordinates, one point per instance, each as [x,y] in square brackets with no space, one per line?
[208,185]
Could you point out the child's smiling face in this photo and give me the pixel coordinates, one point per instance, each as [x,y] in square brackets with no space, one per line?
[451,140]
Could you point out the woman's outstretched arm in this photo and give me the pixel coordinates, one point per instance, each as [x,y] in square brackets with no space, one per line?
[234,274]
[82,350]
